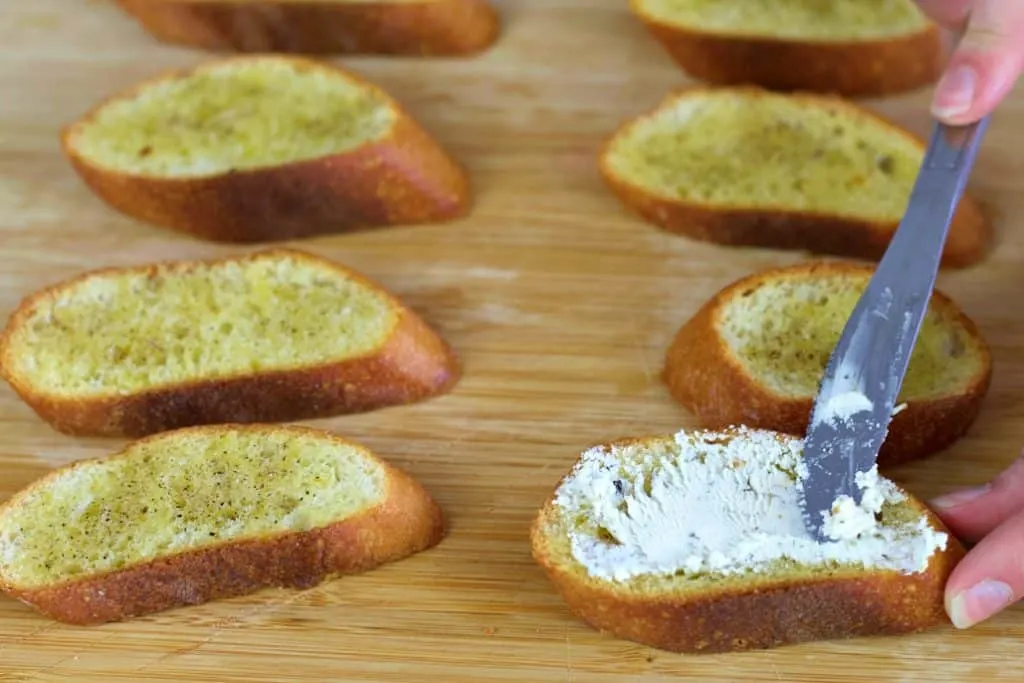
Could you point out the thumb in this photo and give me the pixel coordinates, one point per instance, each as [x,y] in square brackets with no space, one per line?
[990,577]
[985,65]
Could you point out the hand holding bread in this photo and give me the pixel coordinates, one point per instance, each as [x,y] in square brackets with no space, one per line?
[687,542]
[991,516]
[693,542]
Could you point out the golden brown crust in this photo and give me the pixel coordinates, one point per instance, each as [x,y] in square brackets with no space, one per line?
[866,68]
[704,376]
[422,29]
[414,364]
[762,614]
[970,234]
[826,609]
[403,178]
[408,521]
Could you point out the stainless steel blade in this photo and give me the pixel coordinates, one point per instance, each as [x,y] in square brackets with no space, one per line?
[865,372]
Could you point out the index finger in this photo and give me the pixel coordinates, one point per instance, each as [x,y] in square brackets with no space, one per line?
[985,64]
[973,513]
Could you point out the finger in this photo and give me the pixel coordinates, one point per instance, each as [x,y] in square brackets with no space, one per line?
[985,65]
[990,577]
[951,14]
[973,513]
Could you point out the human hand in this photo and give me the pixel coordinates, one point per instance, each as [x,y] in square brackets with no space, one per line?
[987,62]
[991,576]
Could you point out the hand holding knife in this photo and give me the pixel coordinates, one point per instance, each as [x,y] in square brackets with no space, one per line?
[862,380]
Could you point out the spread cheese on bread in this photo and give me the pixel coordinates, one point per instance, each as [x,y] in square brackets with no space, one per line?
[696,542]
[415,28]
[747,167]
[264,148]
[276,335]
[755,353]
[203,513]
[854,48]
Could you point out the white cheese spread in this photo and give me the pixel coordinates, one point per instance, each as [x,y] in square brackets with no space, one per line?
[709,503]
[842,407]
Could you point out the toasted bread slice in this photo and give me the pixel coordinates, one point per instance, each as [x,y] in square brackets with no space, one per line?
[272,336]
[755,353]
[747,167]
[204,513]
[695,543]
[264,148]
[854,48]
[421,28]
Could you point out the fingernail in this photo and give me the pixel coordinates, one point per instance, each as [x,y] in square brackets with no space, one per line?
[955,92]
[979,602]
[951,500]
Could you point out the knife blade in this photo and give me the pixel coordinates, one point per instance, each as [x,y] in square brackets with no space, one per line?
[862,380]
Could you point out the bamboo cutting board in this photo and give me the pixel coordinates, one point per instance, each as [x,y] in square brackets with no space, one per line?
[561,305]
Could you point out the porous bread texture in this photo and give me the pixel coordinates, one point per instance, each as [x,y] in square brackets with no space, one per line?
[770,151]
[783,332]
[852,48]
[182,493]
[704,611]
[748,167]
[234,116]
[274,335]
[756,351]
[839,21]
[410,28]
[188,516]
[264,147]
[178,322]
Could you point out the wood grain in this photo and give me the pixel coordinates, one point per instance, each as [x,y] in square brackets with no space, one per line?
[561,305]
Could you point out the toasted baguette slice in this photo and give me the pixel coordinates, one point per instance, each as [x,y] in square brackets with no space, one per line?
[695,543]
[272,336]
[203,513]
[746,167]
[854,48]
[755,353]
[264,148]
[421,28]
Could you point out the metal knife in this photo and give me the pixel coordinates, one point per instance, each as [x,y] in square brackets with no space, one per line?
[862,379]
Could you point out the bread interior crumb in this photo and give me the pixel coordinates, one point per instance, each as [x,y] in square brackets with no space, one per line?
[144,328]
[180,493]
[233,116]
[808,20]
[783,331]
[769,152]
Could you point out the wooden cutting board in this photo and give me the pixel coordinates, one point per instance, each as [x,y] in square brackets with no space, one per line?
[561,305]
